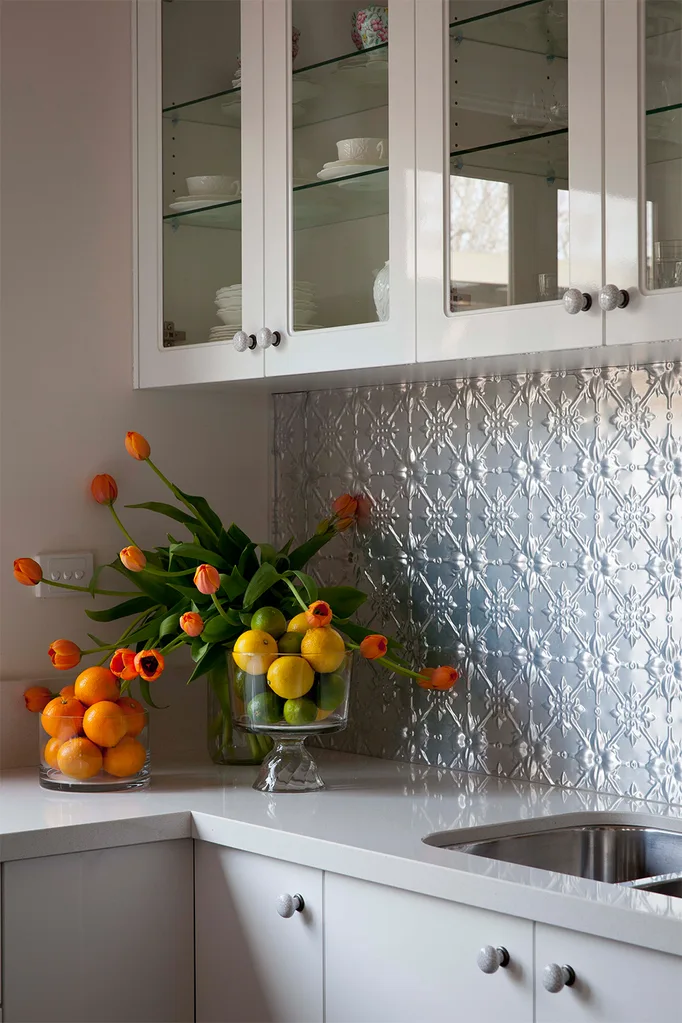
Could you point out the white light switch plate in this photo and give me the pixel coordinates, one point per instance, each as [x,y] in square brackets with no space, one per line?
[74,568]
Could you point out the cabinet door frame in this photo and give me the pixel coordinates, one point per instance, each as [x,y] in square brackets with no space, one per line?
[506,330]
[357,346]
[154,365]
[653,315]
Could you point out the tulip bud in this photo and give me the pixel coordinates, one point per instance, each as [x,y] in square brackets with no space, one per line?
[64,654]
[133,559]
[122,664]
[27,571]
[345,506]
[207,579]
[444,678]
[344,524]
[103,488]
[149,664]
[37,698]
[191,623]
[373,647]
[137,446]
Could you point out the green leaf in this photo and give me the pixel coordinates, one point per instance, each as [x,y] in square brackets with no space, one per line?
[147,696]
[267,553]
[233,585]
[152,585]
[266,576]
[343,600]
[213,655]
[169,625]
[198,648]
[287,546]
[228,548]
[248,562]
[300,556]
[92,585]
[201,554]
[149,630]
[97,640]
[204,511]
[123,610]
[245,619]
[238,536]
[309,585]
[220,631]
[193,594]
[282,563]
[170,510]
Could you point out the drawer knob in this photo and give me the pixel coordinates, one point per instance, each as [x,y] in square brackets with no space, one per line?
[489,959]
[287,904]
[241,341]
[611,297]
[576,301]
[555,977]
[266,337]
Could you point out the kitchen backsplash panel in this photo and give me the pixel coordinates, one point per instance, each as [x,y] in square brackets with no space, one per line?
[529,529]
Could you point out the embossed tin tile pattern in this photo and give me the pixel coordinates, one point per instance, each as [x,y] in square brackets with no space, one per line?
[529,529]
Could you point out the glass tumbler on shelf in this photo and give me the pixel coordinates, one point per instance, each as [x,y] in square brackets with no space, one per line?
[668,264]
[89,754]
[282,699]
[227,744]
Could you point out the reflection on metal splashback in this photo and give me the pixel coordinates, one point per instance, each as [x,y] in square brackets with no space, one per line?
[530,527]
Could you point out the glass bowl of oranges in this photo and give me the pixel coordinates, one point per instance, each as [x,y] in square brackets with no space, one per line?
[91,737]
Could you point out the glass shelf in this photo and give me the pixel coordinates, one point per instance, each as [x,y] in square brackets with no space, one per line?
[662,16]
[544,154]
[664,133]
[533,26]
[315,205]
[221,108]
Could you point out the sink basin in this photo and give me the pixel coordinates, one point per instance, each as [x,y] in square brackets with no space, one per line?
[610,852]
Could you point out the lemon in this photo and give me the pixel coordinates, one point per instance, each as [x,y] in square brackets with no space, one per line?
[324,649]
[299,623]
[300,712]
[254,651]
[269,619]
[290,643]
[331,692]
[290,677]
[265,709]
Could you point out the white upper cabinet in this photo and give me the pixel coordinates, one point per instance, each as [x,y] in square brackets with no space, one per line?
[643,111]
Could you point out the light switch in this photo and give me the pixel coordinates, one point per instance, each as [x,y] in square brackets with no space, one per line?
[73,568]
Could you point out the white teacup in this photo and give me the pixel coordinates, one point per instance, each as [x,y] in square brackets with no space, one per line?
[363,150]
[213,184]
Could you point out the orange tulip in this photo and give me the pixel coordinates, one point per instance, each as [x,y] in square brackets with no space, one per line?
[444,677]
[133,558]
[318,614]
[149,664]
[344,524]
[425,681]
[207,579]
[373,647]
[137,446]
[191,623]
[364,512]
[37,698]
[103,488]
[122,664]
[345,506]
[64,654]
[27,571]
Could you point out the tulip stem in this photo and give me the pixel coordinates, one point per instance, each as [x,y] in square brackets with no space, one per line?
[295,593]
[121,526]
[388,663]
[86,589]
[161,571]
[220,608]
[178,496]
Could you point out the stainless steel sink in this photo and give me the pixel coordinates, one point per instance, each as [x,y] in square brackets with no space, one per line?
[613,852]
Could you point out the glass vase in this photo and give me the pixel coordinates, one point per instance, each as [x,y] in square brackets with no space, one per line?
[227,744]
[78,756]
[317,705]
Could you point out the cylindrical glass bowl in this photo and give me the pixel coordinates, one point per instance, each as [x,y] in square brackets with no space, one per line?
[285,698]
[71,761]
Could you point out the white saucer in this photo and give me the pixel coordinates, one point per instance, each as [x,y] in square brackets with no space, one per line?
[370,183]
[338,170]
[196,202]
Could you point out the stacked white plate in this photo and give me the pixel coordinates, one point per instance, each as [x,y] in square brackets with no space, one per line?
[229,303]
[223,333]
[305,304]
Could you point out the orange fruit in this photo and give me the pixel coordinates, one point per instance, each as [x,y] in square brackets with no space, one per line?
[79,758]
[62,718]
[50,752]
[105,723]
[125,759]
[68,692]
[135,715]
[95,684]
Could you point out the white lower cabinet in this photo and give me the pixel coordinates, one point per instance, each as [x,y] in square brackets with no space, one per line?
[614,983]
[252,964]
[392,956]
[99,937]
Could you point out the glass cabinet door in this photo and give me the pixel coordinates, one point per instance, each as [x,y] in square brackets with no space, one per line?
[644,167]
[339,98]
[509,174]
[208,75]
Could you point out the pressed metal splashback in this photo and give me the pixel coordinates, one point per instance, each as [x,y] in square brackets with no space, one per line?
[529,529]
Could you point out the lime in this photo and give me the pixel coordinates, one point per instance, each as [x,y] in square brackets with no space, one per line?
[332,692]
[269,619]
[254,651]
[324,649]
[300,712]
[290,676]
[265,709]
[299,623]
[290,643]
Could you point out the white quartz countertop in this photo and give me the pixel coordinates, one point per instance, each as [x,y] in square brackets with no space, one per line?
[369,824]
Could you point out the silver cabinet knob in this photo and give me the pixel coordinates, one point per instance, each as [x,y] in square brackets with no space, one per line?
[611,297]
[555,977]
[576,301]
[287,904]
[241,341]
[265,337]
[489,959]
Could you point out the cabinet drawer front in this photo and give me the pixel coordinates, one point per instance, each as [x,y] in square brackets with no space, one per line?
[396,957]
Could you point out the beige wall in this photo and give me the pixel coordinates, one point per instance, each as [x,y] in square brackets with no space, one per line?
[66,398]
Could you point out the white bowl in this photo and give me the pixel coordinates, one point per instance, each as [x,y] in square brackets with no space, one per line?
[228,317]
[212,184]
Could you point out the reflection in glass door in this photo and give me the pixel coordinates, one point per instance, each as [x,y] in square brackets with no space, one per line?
[340,157]
[202,214]
[508,145]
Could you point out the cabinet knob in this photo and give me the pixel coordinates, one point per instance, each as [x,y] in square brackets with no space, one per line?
[241,341]
[266,337]
[287,904]
[576,301]
[611,297]
[489,959]
[555,977]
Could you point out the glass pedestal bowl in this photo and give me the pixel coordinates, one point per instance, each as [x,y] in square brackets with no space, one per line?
[283,697]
